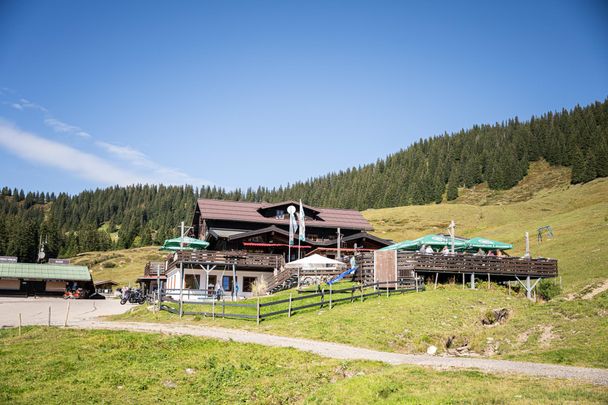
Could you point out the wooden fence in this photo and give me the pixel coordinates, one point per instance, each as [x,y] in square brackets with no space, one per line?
[288,306]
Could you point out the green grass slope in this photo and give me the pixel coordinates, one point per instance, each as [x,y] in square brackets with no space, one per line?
[121,367]
[122,266]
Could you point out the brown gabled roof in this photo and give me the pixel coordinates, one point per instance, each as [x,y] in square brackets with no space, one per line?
[245,211]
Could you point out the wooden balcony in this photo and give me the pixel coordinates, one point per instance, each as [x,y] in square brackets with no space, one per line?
[241,259]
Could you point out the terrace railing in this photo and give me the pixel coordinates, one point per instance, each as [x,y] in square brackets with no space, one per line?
[228,257]
[467,263]
[409,263]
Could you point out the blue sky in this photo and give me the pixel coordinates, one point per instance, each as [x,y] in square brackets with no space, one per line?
[248,93]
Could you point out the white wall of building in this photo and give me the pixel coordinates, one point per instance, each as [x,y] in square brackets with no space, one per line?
[174,280]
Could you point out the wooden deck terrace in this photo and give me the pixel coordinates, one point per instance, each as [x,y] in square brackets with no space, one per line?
[410,263]
[153,269]
[240,259]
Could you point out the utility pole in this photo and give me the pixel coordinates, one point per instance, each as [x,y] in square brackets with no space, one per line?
[452,228]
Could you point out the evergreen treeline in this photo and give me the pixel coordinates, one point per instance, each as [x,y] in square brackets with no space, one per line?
[430,170]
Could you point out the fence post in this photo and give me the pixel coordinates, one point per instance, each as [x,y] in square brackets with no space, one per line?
[67,313]
[352,294]
[223,307]
[258,311]
[289,310]
[361,288]
[49,315]
[213,308]
[19,323]
[488,281]
[386,290]
[330,289]
[416,281]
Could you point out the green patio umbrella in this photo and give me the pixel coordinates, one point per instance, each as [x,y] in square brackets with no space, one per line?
[185,243]
[432,240]
[441,241]
[403,245]
[488,244]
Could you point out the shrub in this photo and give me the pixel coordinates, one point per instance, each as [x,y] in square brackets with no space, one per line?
[108,265]
[259,287]
[548,289]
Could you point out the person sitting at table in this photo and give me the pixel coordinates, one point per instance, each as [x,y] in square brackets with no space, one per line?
[499,253]
[429,249]
[491,253]
[422,249]
[480,252]
[445,250]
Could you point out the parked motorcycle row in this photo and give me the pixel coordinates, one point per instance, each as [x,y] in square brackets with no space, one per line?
[134,296]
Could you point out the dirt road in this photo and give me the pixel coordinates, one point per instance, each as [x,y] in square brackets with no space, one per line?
[340,351]
[35,311]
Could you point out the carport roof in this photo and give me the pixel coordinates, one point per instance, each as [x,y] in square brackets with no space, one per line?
[44,271]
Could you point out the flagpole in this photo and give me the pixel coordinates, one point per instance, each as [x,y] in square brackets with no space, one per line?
[299,241]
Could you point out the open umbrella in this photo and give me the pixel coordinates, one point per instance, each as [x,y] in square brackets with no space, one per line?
[403,245]
[440,241]
[428,240]
[488,244]
[185,243]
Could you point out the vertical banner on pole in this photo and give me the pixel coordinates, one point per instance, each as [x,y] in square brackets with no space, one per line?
[293,227]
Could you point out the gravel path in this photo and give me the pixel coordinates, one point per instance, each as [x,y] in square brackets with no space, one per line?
[341,351]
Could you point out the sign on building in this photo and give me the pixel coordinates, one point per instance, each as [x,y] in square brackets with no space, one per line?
[59,261]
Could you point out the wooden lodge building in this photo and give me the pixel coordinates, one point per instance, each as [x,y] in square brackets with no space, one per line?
[250,241]
[264,228]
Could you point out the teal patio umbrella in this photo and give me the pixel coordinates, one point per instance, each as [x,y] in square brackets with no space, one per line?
[438,241]
[185,243]
[434,240]
[403,245]
[487,244]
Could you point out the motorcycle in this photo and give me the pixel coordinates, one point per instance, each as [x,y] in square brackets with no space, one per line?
[133,296]
[126,295]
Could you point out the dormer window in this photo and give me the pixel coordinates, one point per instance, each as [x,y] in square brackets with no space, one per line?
[280,214]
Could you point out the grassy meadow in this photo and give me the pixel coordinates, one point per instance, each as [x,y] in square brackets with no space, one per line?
[122,367]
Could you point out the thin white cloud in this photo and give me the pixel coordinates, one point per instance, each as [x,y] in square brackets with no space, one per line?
[39,150]
[124,152]
[25,103]
[64,128]
[49,153]
[140,160]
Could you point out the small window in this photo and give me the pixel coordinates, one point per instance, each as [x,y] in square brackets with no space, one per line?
[248,283]
[280,214]
[227,283]
[212,282]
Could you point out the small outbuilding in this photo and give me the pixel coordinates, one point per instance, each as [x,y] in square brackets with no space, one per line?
[33,279]
[105,286]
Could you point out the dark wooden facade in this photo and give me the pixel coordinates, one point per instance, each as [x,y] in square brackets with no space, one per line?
[264,228]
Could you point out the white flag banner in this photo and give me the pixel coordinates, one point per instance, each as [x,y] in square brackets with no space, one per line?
[302,216]
[293,227]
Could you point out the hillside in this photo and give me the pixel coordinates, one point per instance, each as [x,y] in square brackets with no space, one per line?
[577,213]
[570,329]
[122,266]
